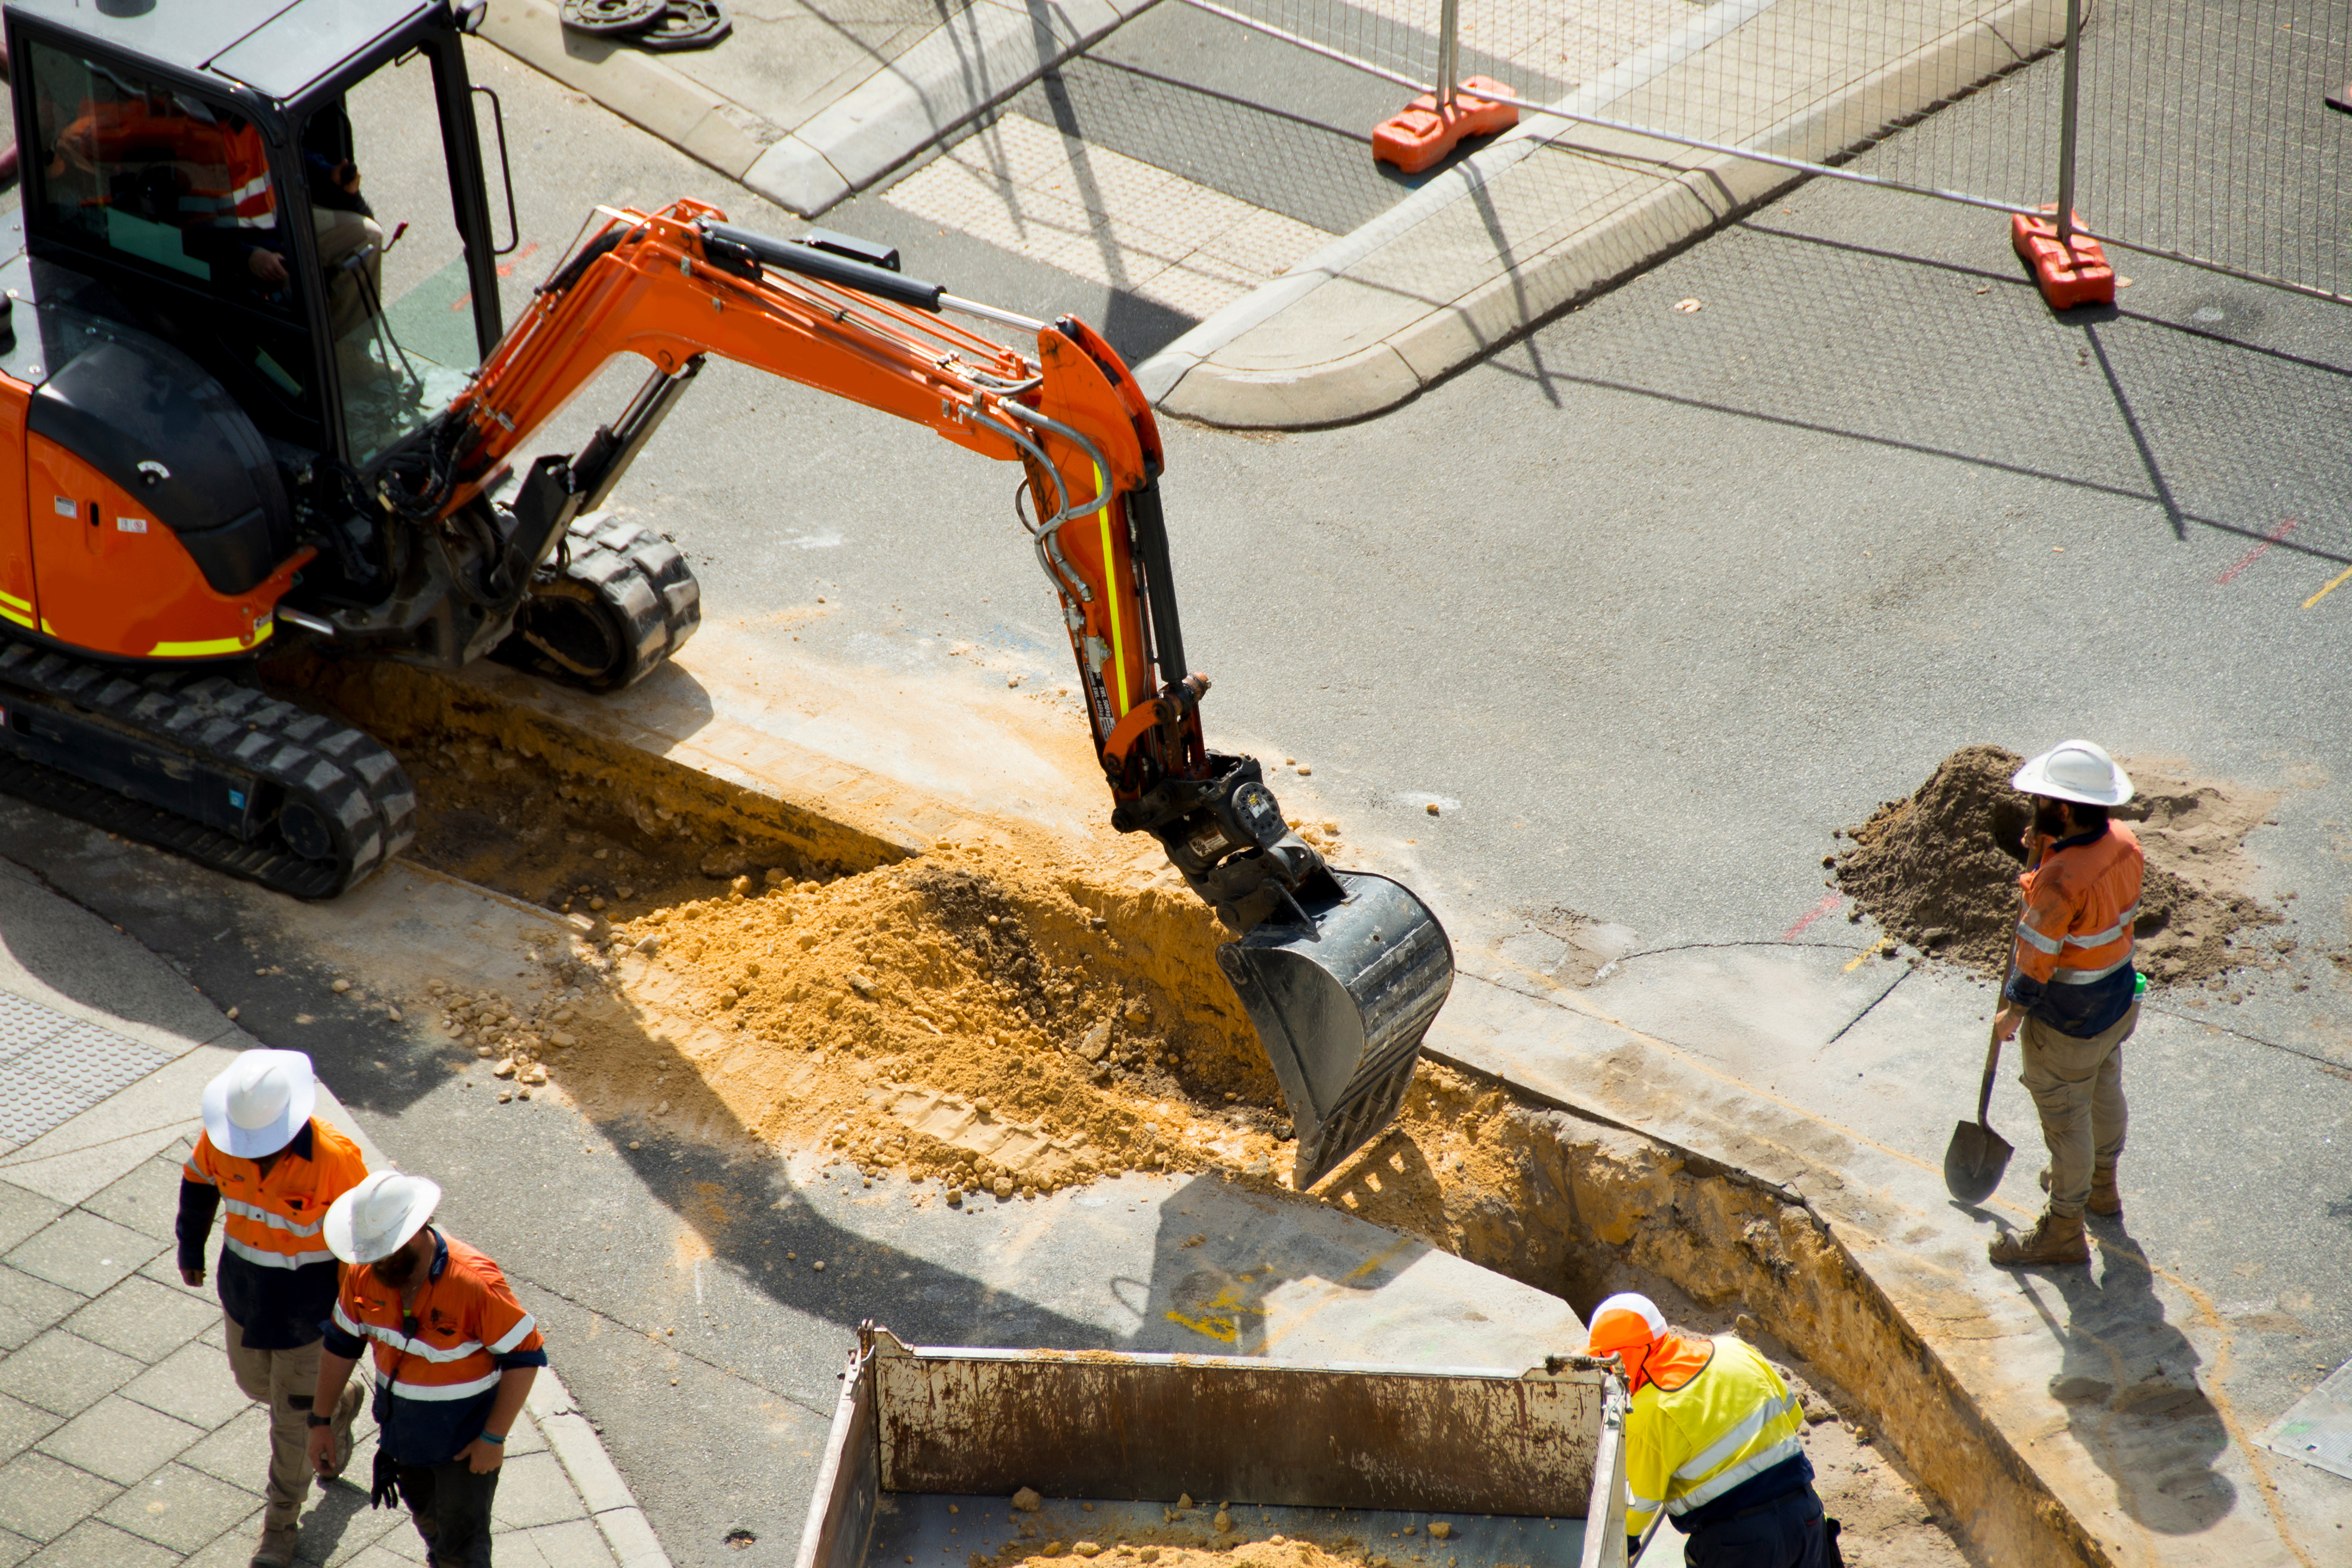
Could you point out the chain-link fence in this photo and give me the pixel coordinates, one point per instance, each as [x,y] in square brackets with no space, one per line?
[2201,127]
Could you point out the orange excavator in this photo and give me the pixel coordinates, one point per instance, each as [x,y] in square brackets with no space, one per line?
[245,411]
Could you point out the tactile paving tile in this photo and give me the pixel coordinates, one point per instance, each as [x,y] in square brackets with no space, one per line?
[68,1067]
[24,1025]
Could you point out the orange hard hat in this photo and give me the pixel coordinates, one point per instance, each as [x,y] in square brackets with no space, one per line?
[1628,1326]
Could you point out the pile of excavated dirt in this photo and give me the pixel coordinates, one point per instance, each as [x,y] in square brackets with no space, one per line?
[1938,868]
[971,1015]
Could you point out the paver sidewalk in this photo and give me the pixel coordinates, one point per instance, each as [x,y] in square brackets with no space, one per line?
[123,1441]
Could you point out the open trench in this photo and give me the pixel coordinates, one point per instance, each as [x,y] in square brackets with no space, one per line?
[994,1024]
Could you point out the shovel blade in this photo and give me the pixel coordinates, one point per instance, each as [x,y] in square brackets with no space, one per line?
[1340,1003]
[1974,1162]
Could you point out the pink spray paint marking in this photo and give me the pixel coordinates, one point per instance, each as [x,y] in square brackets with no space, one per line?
[2250,556]
[1809,916]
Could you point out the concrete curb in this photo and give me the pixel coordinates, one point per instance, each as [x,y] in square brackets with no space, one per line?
[962,68]
[636,85]
[1506,238]
[581,1453]
[952,75]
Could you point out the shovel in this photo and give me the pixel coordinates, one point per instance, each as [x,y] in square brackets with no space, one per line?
[1977,1156]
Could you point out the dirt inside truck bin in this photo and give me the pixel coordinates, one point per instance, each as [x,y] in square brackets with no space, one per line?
[991,1021]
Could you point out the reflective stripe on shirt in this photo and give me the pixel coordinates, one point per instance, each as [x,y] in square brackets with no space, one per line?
[1739,1437]
[252,1254]
[2084,977]
[2040,943]
[437,1392]
[2100,939]
[1706,1492]
[514,1336]
[274,1221]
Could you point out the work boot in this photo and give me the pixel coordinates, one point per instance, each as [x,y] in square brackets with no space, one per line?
[276,1548]
[2053,1239]
[2107,1198]
[338,1447]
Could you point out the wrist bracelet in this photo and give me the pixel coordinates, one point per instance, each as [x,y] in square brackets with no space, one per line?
[501,1442]
[315,1419]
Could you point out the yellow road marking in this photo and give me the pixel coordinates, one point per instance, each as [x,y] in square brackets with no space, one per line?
[1857,960]
[2333,584]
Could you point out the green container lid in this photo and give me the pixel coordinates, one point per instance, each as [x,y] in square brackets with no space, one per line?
[2139,984]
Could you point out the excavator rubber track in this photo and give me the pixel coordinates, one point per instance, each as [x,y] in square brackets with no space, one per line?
[625,601]
[204,765]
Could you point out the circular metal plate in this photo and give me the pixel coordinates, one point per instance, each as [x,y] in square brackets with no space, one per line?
[612,19]
[687,25]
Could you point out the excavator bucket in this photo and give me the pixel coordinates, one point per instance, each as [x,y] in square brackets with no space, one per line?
[1340,1003]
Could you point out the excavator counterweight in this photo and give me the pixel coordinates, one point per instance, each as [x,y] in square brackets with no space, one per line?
[259,424]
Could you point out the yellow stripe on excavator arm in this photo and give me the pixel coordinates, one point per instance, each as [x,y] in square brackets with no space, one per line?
[1111,595]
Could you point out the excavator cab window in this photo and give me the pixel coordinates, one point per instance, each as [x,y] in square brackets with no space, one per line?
[166,195]
[393,254]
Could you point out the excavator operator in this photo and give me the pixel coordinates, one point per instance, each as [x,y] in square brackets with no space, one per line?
[208,173]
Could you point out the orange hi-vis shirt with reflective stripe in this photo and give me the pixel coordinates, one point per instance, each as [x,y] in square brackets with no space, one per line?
[2081,902]
[273,1221]
[466,1317]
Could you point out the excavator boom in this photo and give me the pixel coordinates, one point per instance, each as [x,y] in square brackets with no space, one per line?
[1339,971]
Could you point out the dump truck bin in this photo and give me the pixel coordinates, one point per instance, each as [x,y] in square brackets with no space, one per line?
[929,1445]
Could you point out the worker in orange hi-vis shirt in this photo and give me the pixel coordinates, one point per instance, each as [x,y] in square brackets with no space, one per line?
[455,1358]
[276,1169]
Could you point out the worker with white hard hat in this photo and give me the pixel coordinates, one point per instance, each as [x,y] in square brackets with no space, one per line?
[455,1358]
[276,1169]
[2072,992]
[1711,1437]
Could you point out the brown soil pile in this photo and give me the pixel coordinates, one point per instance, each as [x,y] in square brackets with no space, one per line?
[973,1015]
[1938,868]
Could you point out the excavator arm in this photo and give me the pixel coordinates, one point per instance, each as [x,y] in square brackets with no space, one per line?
[1340,972]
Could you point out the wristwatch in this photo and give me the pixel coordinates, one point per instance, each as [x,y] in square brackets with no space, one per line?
[315,1419]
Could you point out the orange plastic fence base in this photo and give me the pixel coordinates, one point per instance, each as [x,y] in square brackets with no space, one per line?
[2080,277]
[1422,135]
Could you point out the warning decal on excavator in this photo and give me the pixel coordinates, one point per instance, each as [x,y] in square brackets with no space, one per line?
[131,524]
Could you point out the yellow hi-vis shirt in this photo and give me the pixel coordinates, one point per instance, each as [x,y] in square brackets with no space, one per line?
[1733,1421]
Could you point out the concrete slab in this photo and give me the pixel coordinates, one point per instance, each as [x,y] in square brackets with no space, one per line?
[41,1499]
[121,1440]
[83,1252]
[63,1374]
[143,1320]
[29,1305]
[178,1507]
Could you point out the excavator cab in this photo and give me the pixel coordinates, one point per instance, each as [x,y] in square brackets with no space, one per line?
[289,191]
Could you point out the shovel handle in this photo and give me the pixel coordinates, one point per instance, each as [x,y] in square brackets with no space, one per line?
[1992,1046]
[1993,1065]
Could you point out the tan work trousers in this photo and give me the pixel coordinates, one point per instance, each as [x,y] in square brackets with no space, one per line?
[343,234]
[2078,1088]
[278,1378]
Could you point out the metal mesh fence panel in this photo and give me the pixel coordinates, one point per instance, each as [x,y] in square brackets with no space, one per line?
[2203,131]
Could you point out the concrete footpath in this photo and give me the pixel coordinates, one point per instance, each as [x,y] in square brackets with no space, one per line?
[123,1441]
[803,106]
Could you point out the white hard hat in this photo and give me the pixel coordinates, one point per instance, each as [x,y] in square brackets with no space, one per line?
[259,1103]
[2078,771]
[375,1219]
